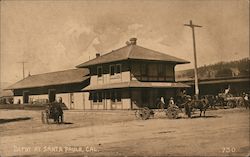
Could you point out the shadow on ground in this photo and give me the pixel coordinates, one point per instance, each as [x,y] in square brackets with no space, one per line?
[67,123]
[2,121]
[63,123]
[215,116]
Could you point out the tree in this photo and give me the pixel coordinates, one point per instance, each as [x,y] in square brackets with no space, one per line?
[224,72]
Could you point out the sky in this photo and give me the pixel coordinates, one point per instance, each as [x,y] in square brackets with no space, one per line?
[55,35]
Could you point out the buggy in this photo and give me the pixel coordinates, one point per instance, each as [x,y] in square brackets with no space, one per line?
[52,111]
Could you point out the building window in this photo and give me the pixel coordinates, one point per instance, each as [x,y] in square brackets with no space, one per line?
[112,96]
[118,96]
[115,96]
[144,69]
[99,71]
[99,96]
[94,97]
[118,68]
[112,69]
[169,72]
[161,70]
[115,69]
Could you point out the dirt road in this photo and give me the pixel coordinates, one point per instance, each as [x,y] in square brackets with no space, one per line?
[222,133]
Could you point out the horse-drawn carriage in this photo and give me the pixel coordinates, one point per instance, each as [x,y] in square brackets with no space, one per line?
[52,111]
[173,111]
[145,113]
[228,100]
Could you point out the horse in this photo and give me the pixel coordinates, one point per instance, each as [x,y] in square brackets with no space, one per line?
[211,100]
[56,112]
[191,104]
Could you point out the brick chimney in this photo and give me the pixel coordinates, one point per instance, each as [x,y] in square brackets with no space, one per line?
[132,41]
[97,55]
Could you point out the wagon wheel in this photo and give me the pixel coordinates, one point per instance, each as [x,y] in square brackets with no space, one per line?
[240,103]
[44,117]
[47,116]
[137,114]
[143,113]
[231,104]
[172,112]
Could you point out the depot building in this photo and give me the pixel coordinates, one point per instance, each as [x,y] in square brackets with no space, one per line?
[126,78]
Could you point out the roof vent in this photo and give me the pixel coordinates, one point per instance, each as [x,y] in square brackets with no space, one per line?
[97,55]
[132,41]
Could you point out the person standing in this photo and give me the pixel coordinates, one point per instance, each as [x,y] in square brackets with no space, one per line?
[162,103]
[246,101]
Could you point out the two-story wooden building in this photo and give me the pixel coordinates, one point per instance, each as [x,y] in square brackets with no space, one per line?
[131,77]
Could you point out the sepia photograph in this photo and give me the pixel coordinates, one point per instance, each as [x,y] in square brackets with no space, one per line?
[132,78]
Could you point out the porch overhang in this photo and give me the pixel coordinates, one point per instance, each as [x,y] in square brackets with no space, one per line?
[136,84]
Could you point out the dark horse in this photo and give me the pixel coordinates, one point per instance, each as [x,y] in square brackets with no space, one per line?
[191,104]
[56,112]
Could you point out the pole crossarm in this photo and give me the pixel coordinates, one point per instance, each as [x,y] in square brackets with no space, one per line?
[191,24]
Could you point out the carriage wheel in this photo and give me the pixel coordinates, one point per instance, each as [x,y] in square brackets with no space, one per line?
[240,103]
[143,113]
[230,104]
[43,118]
[137,114]
[172,112]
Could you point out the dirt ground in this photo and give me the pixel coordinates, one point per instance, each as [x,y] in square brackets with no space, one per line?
[118,133]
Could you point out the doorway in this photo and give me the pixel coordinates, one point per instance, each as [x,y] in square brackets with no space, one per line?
[52,95]
[25,97]
[71,99]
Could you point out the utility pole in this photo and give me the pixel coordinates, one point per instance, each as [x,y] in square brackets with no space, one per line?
[195,58]
[23,68]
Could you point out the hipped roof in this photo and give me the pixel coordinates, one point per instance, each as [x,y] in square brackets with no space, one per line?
[135,52]
[53,78]
[136,84]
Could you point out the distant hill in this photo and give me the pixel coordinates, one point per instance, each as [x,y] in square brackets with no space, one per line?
[221,69]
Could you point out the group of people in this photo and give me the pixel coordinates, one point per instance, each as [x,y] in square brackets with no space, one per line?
[161,104]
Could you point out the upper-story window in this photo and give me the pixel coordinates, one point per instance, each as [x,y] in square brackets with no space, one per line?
[118,68]
[144,69]
[99,71]
[112,69]
[115,69]
[169,72]
[161,70]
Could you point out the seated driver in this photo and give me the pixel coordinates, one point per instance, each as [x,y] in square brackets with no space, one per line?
[171,102]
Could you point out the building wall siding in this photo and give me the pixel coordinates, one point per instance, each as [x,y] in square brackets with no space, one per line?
[35,97]
[106,77]
[80,99]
